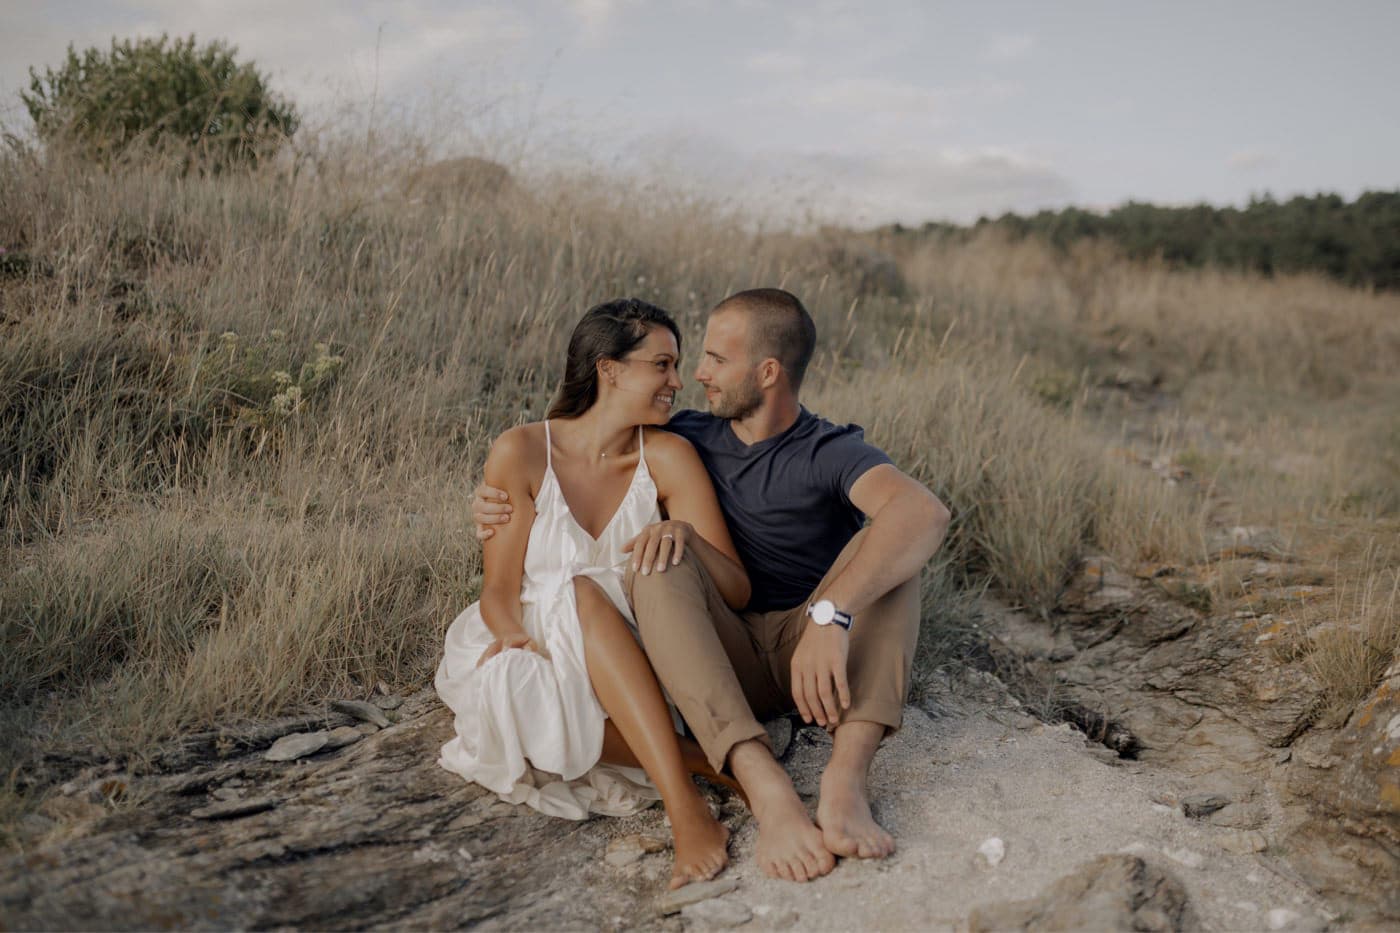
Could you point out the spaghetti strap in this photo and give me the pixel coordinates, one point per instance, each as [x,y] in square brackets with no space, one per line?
[641,443]
[548,457]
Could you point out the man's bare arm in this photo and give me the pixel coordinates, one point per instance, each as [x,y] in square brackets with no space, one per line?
[907,526]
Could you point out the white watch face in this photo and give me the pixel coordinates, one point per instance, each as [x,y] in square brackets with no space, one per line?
[823,611]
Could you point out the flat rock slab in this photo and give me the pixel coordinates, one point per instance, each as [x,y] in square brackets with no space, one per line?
[1113,892]
[365,712]
[377,835]
[297,745]
[718,913]
[674,901]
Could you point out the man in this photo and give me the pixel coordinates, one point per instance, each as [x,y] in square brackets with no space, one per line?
[833,622]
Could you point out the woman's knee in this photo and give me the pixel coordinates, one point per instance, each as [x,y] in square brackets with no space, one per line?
[594,607]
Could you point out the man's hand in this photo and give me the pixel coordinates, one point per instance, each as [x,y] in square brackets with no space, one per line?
[490,506]
[819,674]
[659,546]
[520,640]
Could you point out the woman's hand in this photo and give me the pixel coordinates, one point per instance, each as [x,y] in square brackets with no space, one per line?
[520,640]
[659,546]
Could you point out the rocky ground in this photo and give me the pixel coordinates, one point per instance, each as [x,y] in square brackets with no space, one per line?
[1003,821]
[1173,778]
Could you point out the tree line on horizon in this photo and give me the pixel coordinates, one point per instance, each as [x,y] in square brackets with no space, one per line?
[1356,242]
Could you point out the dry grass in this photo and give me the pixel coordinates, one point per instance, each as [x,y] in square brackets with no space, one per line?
[1091,310]
[240,416]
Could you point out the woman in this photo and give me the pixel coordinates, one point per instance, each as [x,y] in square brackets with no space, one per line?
[556,705]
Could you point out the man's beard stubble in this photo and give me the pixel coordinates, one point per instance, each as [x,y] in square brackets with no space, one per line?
[743,401]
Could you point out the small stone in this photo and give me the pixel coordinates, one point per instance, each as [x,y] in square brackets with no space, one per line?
[225,793]
[1239,816]
[365,712]
[382,687]
[1281,918]
[342,736]
[717,913]
[1199,806]
[624,851]
[1244,843]
[297,745]
[69,789]
[229,809]
[991,852]
[674,901]
[388,702]
[365,728]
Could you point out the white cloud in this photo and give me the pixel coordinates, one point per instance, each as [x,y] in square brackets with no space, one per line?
[911,186]
[1252,160]
[954,184]
[775,62]
[866,95]
[596,17]
[1006,48]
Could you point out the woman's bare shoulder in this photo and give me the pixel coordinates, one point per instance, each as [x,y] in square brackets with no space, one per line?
[670,453]
[519,448]
[666,443]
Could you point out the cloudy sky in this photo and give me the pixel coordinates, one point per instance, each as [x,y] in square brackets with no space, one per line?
[901,110]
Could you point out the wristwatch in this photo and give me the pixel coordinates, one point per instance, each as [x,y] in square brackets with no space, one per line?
[824,612]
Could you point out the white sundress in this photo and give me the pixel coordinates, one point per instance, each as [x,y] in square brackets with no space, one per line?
[529,727]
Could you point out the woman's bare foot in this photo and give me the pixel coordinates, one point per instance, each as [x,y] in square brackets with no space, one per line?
[702,844]
[789,845]
[847,826]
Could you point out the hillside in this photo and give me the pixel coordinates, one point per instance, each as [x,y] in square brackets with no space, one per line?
[241,416]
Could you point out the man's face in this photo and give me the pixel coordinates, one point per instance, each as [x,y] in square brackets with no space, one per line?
[726,369]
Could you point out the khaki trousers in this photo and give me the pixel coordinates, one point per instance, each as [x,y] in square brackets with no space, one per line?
[725,670]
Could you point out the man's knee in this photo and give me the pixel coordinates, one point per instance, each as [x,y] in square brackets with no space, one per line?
[685,578]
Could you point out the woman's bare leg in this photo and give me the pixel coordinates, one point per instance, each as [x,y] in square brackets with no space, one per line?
[616,752]
[627,689]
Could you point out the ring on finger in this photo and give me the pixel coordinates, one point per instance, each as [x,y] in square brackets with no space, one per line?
[668,535]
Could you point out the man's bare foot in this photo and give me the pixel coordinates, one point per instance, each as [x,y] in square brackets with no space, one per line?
[843,813]
[697,763]
[789,845]
[702,844]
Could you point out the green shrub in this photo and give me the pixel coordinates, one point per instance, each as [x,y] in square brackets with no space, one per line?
[160,92]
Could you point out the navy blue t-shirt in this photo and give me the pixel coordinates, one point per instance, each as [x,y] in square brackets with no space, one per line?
[786,499]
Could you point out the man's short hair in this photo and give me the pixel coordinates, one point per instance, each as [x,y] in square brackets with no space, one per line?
[779,326]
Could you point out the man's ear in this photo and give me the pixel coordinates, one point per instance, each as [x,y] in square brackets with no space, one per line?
[768,372]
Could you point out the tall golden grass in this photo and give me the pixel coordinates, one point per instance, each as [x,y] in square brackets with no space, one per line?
[241,414]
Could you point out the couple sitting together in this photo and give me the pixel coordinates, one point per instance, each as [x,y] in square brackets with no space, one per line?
[650,577]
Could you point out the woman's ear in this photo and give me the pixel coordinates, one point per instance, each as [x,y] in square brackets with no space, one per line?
[607,371]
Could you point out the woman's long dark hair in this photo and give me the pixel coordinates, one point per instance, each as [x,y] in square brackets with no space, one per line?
[608,331]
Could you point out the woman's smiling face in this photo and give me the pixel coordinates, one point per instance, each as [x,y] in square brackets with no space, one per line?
[648,378]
